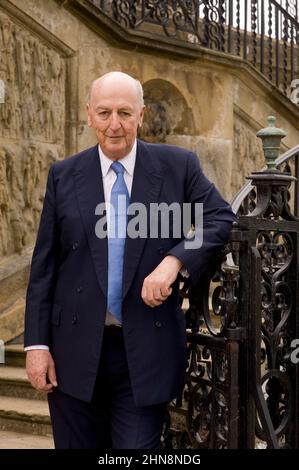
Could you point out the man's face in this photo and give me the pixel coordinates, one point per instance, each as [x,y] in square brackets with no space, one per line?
[114,112]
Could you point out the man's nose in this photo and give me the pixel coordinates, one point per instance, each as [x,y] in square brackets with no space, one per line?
[114,122]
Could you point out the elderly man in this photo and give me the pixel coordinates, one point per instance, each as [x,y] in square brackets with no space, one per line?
[104,331]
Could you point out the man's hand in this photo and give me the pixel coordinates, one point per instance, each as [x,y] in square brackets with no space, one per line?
[156,286]
[40,369]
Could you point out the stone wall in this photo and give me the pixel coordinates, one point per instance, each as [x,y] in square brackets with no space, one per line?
[32,128]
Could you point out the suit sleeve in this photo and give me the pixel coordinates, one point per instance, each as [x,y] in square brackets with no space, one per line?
[43,273]
[216,221]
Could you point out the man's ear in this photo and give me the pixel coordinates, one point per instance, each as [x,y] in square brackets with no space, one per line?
[141,116]
[89,123]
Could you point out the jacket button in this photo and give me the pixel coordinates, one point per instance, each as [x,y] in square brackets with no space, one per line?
[158,324]
[74,320]
[161,251]
[75,245]
[79,290]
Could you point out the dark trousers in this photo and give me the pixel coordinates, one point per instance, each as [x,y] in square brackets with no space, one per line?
[111,420]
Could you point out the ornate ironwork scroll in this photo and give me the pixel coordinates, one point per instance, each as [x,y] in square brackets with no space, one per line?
[277,256]
[208,407]
[241,385]
[173,16]
[271,230]
[266,33]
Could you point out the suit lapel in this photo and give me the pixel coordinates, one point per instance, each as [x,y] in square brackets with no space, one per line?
[90,192]
[89,189]
[145,189]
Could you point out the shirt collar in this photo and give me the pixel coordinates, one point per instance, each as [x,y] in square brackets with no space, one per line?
[128,161]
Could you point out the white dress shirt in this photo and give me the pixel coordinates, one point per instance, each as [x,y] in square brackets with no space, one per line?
[109,175]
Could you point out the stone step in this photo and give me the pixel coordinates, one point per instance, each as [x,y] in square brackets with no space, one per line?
[15,355]
[14,383]
[17,440]
[25,416]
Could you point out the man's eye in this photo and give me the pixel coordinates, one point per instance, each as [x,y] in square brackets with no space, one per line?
[103,114]
[124,113]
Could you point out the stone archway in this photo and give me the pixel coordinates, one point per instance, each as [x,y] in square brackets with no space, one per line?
[167,112]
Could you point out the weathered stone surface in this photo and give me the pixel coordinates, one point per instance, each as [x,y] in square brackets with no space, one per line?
[23,415]
[15,355]
[12,321]
[14,272]
[19,440]
[32,129]
[14,383]
[22,409]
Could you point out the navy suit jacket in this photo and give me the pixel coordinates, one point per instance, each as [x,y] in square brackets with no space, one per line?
[67,292]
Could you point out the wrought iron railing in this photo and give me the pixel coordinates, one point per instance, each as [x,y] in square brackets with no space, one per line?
[244,200]
[241,382]
[209,408]
[263,32]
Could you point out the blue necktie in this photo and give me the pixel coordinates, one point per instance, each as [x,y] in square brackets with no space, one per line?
[116,242]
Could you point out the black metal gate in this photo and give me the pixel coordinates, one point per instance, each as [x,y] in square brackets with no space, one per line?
[242,380]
